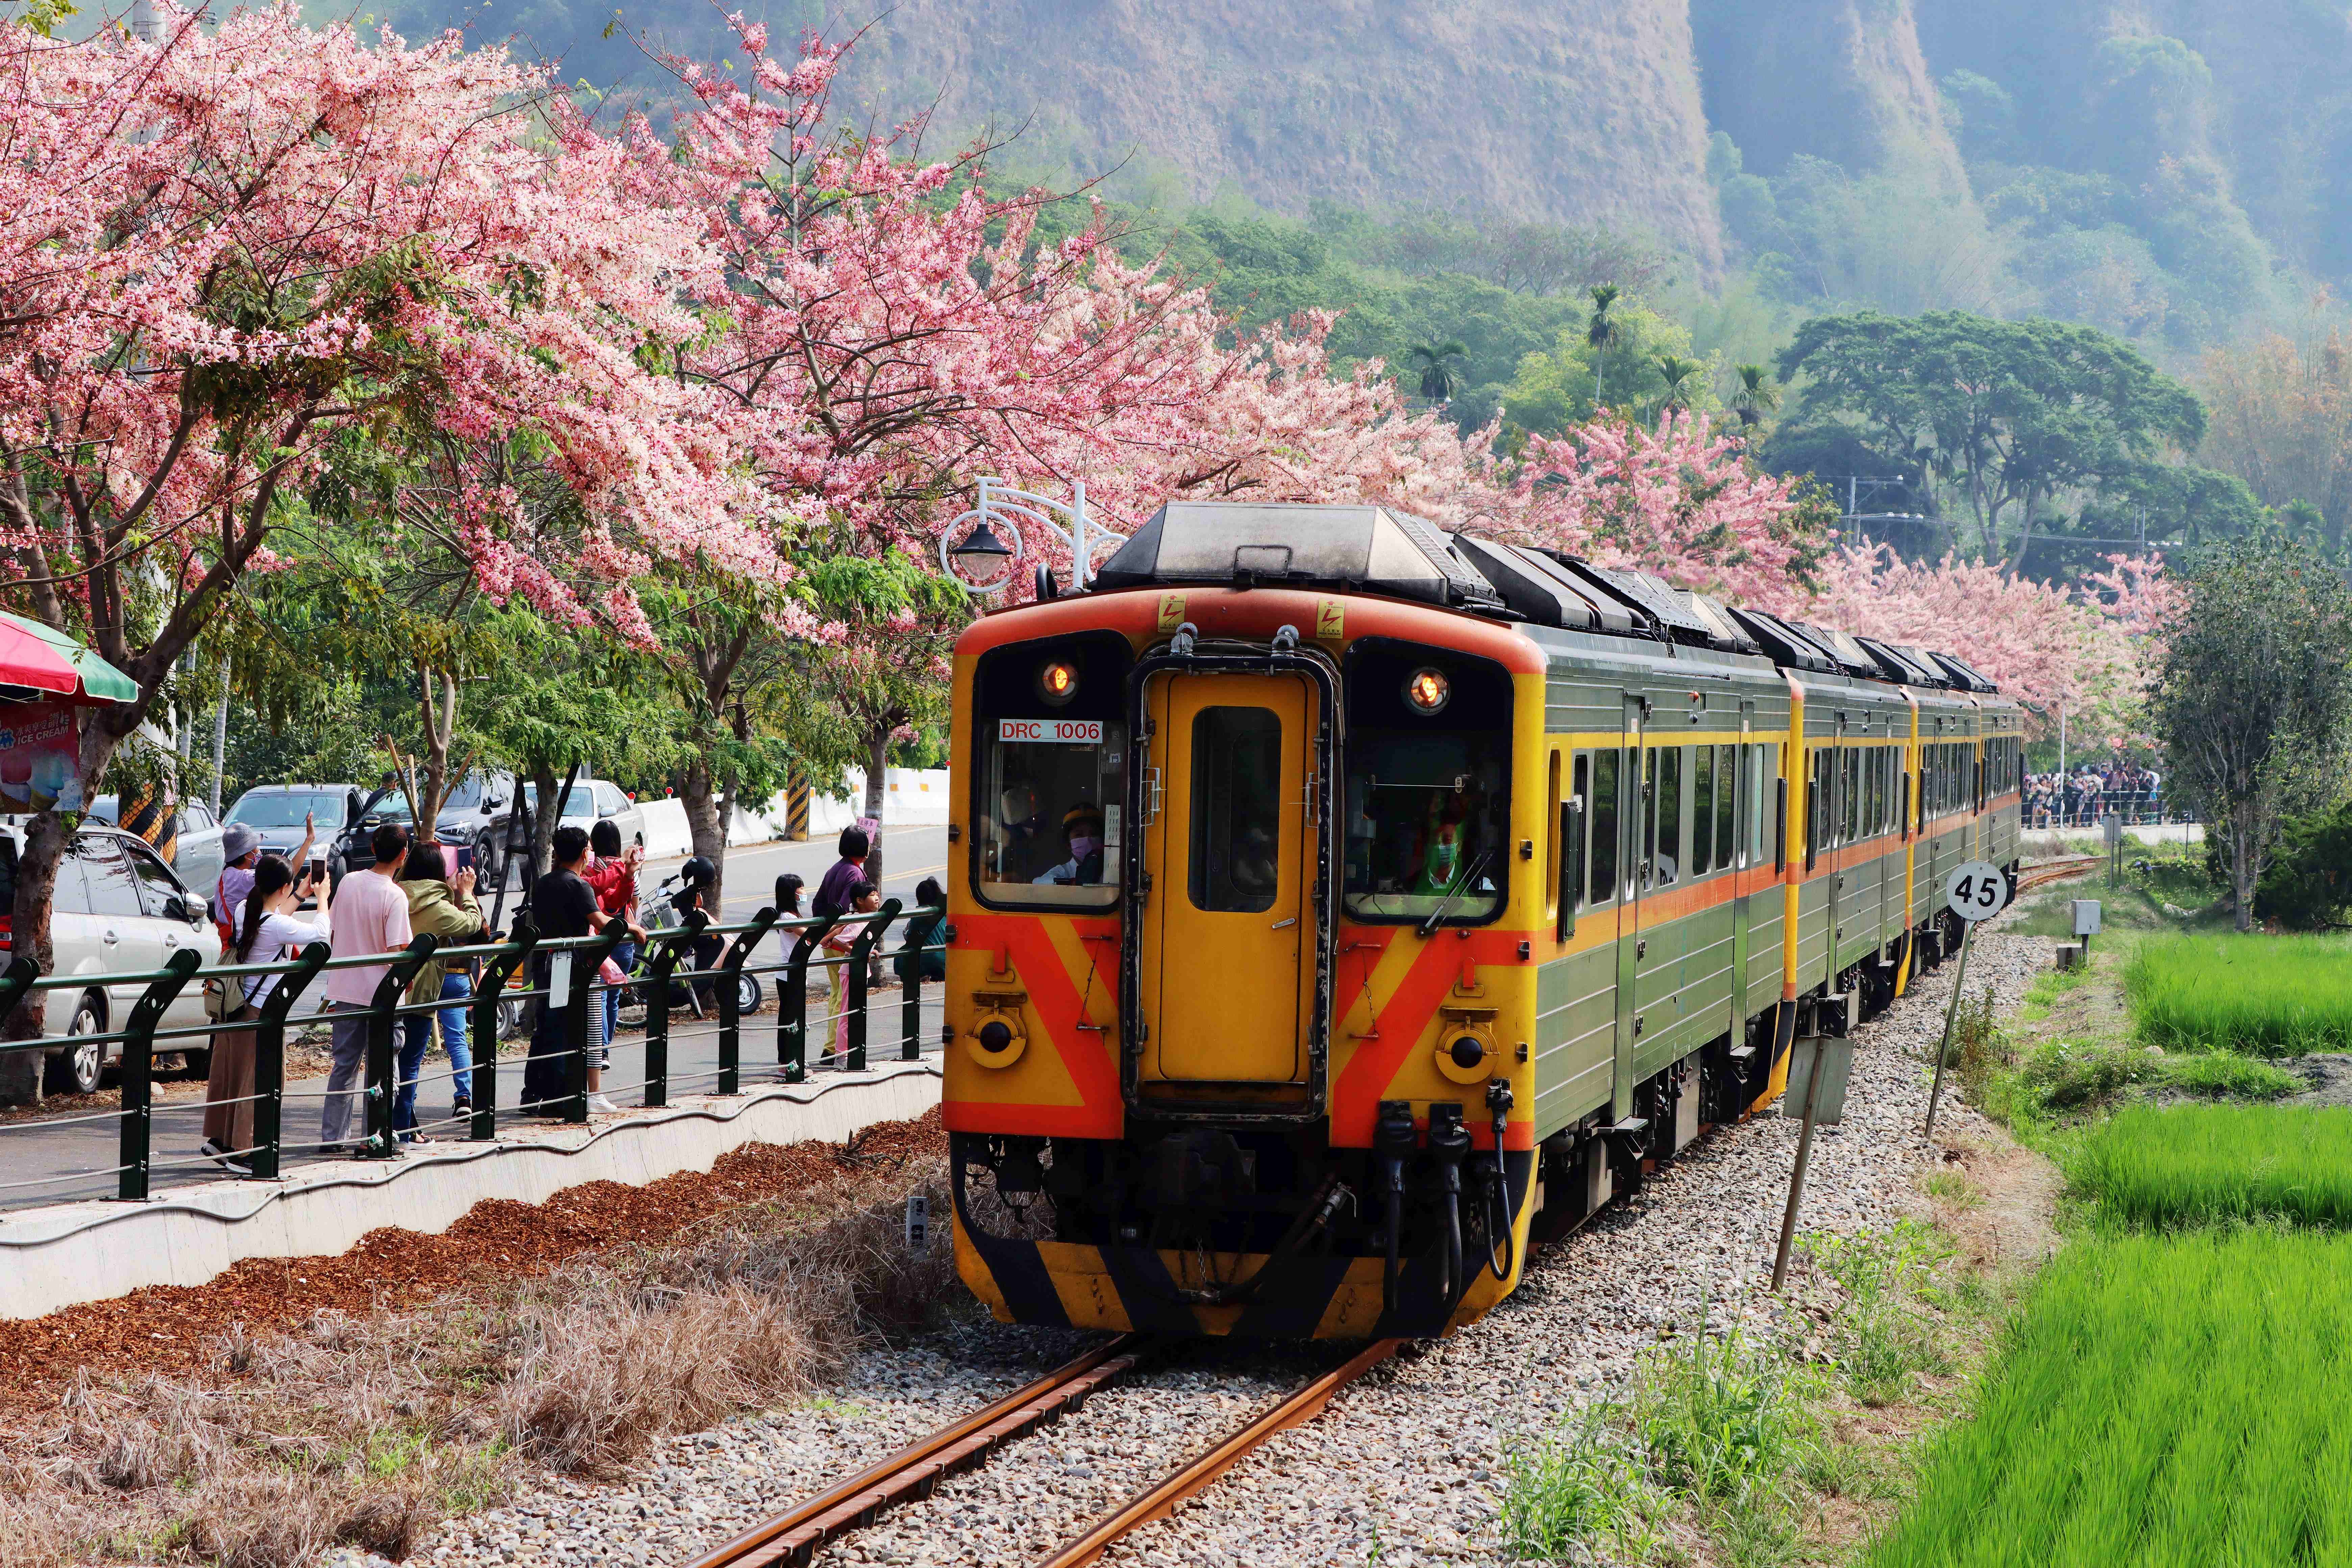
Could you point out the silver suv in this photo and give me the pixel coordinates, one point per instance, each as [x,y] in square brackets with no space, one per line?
[118,910]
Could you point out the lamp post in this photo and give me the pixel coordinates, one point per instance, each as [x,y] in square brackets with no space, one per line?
[983,550]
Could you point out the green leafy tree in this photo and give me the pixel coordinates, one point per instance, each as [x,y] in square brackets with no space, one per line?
[2253,699]
[2006,418]
[1678,374]
[1439,379]
[1755,396]
[1552,389]
[1601,335]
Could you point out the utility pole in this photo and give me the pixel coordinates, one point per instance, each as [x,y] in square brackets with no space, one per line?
[220,737]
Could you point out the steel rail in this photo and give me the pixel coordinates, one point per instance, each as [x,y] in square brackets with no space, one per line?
[1202,1471]
[790,1539]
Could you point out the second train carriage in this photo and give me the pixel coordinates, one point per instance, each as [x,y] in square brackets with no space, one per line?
[1314,856]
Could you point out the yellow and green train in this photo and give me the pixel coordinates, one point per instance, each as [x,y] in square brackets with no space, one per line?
[1338,906]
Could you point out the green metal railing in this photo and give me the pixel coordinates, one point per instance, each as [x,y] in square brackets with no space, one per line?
[698,966]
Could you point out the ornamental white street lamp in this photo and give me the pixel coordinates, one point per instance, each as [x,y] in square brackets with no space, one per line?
[983,561]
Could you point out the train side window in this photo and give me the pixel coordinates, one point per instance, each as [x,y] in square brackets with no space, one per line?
[1568,882]
[1661,865]
[1702,811]
[1554,844]
[1878,791]
[1606,835]
[1726,794]
[1849,793]
[1817,807]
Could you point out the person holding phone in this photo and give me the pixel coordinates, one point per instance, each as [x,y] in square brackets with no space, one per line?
[442,902]
[613,876]
[265,931]
[240,848]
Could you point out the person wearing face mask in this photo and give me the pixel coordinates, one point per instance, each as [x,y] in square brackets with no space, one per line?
[1082,834]
[1443,862]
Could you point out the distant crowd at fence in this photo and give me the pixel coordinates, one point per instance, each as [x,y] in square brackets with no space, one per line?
[2082,797]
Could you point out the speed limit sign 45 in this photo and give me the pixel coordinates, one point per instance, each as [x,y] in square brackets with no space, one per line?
[1977,891]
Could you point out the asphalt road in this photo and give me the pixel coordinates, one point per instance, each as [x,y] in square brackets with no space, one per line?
[33,1150]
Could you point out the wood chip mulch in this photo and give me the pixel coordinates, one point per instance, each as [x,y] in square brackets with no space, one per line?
[170,1328]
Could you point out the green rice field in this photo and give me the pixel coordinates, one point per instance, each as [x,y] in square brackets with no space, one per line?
[2181,1400]
[2267,995]
[2165,1168]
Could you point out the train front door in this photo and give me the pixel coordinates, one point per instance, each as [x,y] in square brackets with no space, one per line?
[1225,930]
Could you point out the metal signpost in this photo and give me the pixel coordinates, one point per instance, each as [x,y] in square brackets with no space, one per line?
[1974,891]
[1818,1068]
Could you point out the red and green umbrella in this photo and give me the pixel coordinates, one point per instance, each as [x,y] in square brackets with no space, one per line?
[40,659]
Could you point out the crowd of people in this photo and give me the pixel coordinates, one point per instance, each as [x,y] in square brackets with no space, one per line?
[2082,797]
[415,888]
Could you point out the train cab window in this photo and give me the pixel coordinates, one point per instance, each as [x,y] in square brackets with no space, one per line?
[1601,886]
[1663,840]
[1704,812]
[1427,796]
[1726,794]
[1055,830]
[1049,784]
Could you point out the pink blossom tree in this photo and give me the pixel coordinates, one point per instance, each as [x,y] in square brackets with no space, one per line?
[229,248]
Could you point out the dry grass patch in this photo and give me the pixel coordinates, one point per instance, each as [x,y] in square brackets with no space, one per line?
[366,1429]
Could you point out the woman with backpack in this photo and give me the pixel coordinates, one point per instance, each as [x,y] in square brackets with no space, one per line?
[265,931]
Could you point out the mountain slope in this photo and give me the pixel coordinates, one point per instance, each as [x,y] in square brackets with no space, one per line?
[1572,113]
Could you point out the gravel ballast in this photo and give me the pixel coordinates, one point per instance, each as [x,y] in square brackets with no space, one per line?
[1408,1460]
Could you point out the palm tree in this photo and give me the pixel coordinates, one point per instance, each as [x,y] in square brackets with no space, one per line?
[1676,373]
[1439,380]
[1757,396]
[1601,334]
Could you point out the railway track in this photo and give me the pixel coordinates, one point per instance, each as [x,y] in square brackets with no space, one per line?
[2050,871]
[792,1539]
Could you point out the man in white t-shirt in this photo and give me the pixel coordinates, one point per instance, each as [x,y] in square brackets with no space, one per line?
[371,916]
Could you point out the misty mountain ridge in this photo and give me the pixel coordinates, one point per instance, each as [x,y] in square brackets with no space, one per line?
[2173,171]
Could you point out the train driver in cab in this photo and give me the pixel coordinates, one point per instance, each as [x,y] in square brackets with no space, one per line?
[1082,835]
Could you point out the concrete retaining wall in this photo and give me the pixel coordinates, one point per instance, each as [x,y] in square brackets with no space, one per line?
[58,1256]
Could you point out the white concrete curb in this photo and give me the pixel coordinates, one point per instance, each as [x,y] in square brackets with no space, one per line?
[70,1253]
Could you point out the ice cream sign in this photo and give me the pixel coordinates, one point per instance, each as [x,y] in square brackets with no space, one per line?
[38,756]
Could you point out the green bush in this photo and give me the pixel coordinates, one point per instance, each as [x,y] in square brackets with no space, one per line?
[2225,1075]
[1723,1418]
[2199,1164]
[1883,1339]
[2267,996]
[2307,885]
[1573,1487]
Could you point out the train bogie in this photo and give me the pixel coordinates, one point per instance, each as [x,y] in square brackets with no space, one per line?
[1328,918]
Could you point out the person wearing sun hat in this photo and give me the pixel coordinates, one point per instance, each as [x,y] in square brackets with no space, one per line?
[240,848]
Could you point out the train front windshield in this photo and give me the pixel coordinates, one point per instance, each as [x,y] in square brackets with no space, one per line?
[1425,826]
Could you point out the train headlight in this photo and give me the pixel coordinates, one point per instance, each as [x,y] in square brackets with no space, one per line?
[997,1040]
[1427,691]
[1466,1055]
[1057,682]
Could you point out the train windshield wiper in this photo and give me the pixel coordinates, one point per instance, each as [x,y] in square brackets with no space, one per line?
[1445,904]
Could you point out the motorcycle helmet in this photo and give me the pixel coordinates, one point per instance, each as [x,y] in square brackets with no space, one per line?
[698,872]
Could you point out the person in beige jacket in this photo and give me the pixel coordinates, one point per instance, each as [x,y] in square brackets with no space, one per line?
[443,904]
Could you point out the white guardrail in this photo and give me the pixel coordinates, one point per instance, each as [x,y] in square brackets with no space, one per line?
[911,797]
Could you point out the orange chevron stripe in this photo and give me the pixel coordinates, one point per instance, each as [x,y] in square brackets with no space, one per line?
[1404,1016]
[1054,1000]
